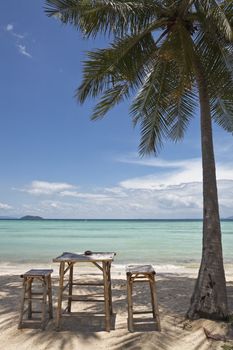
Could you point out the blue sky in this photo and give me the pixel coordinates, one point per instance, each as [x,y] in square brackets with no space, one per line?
[56,163]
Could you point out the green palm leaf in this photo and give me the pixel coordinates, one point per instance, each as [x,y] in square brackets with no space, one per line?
[107,67]
[105,16]
[222,111]
[217,59]
[150,107]
[215,13]
[110,98]
[152,55]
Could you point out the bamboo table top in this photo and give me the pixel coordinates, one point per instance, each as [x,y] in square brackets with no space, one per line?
[82,257]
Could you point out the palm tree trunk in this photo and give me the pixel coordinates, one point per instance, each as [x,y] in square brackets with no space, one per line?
[209,299]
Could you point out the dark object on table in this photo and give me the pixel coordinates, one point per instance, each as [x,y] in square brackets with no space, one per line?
[88,252]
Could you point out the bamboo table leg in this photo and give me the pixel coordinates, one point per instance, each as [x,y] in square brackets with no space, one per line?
[154,302]
[130,302]
[60,294]
[110,287]
[106,297]
[22,302]
[70,287]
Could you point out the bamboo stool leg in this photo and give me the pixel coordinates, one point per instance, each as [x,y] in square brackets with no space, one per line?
[152,297]
[106,298]
[130,302]
[29,295]
[70,287]
[154,301]
[43,306]
[50,297]
[22,303]
[60,294]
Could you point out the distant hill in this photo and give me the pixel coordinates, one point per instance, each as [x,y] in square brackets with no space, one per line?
[31,217]
[230,218]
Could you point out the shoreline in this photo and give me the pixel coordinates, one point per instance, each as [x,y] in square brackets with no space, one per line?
[117,270]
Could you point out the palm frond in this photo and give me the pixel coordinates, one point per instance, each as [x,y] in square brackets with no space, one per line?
[158,66]
[110,98]
[180,112]
[222,111]
[106,67]
[217,60]
[105,16]
[214,12]
[149,108]
[166,101]
[183,50]
[227,7]
[182,97]
[184,6]
[153,131]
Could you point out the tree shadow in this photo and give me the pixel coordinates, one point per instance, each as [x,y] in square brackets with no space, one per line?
[87,326]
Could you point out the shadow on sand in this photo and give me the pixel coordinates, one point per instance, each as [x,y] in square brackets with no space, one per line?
[87,329]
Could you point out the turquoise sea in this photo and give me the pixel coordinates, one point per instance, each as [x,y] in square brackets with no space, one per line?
[161,242]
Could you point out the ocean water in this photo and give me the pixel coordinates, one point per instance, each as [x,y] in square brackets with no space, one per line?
[161,242]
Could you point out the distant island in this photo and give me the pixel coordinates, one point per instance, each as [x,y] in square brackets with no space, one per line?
[31,217]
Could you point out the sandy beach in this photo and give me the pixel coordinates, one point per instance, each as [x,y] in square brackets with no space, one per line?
[86,331]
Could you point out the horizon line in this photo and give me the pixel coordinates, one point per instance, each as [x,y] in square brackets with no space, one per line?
[106,219]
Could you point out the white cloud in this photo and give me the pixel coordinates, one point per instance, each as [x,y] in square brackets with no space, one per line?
[175,200]
[48,188]
[173,190]
[171,201]
[153,162]
[22,49]
[19,37]
[61,189]
[9,27]
[5,206]
[174,173]
[116,191]
[95,196]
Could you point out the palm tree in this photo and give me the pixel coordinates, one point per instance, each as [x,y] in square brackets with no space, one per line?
[167,55]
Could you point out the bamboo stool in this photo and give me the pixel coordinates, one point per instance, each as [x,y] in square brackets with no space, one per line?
[29,296]
[141,273]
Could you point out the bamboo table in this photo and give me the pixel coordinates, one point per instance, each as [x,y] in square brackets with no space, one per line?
[67,261]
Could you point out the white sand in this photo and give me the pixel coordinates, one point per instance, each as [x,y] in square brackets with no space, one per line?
[86,331]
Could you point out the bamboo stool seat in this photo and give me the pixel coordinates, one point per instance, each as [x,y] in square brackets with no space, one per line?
[141,273]
[42,279]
